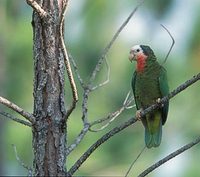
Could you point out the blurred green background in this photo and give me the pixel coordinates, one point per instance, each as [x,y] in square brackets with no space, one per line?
[90,24]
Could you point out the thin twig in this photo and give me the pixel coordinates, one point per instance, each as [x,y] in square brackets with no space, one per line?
[78,139]
[107,48]
[131,121]
[76,71]
[17,109]
[5,114]
[173,42]
[67,63]
[169,157]
[131,166]
[30,170]
[42,13]
[86,124]
[99,142]
[107,78]
[112,116]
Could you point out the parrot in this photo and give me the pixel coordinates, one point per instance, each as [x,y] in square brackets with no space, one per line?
[149,85]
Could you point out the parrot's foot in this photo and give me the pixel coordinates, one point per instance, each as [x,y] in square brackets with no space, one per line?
[138,114]
[158,101]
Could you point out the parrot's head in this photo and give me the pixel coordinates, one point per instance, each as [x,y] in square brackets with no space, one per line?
[140,52]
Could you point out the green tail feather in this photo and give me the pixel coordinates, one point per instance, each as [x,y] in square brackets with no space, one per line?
[153,130]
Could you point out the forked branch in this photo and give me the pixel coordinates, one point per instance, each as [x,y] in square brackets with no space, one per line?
[88,88]
[173,42]
[112,116]
[107,77]
[42,13]
[108,47]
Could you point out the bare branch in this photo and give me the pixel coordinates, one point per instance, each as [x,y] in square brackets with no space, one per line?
[76,71]
[169,157]
[30,170]
[86,124]
[112,116]
[5,114]
[107,79]
[131,121]
[107,48]
[67,63]
[131,166]
[85,105]
[42,13]
[173,42]
[99,142]
[78,139]
[17,109]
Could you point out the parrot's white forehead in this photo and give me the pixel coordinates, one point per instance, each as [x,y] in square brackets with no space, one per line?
[135,47]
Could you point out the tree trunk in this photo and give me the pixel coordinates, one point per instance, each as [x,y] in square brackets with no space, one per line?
[49,131]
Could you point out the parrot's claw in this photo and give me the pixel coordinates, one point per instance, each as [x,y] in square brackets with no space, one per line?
[158,101]
[138,115]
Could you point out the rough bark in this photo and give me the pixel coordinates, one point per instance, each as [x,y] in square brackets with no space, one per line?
[49,129]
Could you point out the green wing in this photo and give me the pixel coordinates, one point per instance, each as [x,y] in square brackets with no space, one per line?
[133,87]
[164,89]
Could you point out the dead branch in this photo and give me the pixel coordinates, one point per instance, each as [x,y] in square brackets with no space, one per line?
[99,142]
[108,47]
[88,88]
[76,71]
[85,106]
[5,114]
[112,116]
[138,156]
[131,121]
[17,109]
[67,63]
[86,124]
[169,157]
[30,170]
[173,42]
[42,13]
[78,139]
[107,78]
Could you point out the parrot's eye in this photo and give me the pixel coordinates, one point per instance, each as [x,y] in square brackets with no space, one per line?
[137,50]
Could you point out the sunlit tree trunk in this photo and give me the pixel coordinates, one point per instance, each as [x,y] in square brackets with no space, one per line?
[49,131]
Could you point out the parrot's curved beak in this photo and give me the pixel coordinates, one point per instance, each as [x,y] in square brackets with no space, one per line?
[132,56]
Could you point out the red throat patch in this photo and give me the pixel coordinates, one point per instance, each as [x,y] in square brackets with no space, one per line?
[141,61]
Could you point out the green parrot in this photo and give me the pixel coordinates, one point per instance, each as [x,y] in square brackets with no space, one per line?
[149,84]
